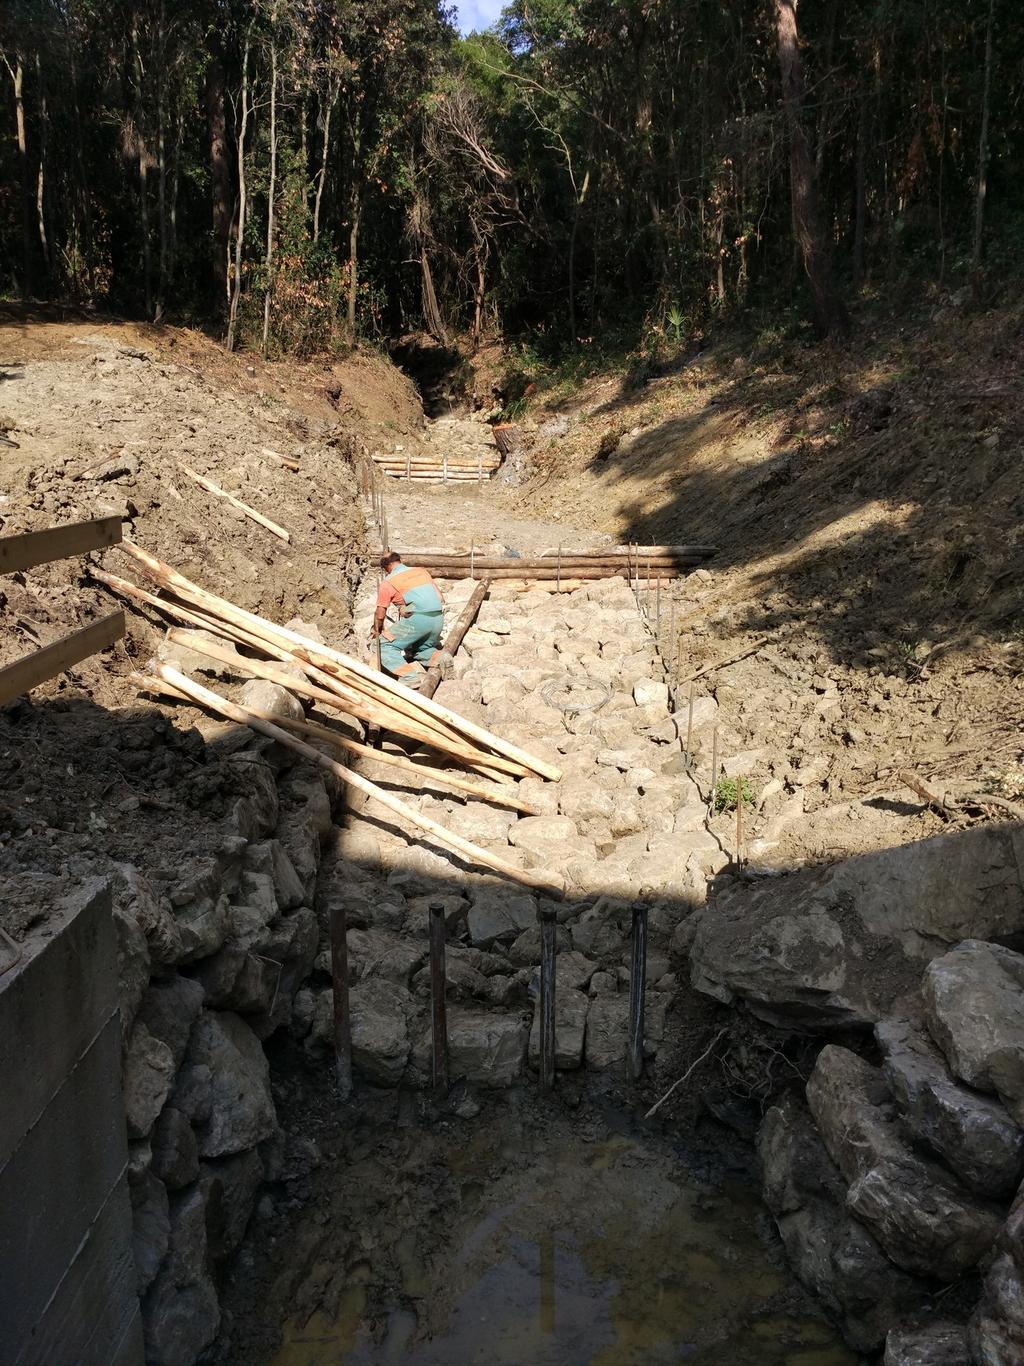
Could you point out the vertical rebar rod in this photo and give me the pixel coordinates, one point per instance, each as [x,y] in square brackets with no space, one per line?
[689,730]
[445,468]
[657,607]
[739,819]
[342,1021]
[637,985]
[438,1012]
[558,570]
[472,559]
[714,772]
[548,952]
[479,467]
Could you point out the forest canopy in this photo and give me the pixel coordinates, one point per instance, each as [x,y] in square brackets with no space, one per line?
[296,173]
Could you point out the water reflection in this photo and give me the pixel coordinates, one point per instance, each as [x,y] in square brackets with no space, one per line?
[604,1256]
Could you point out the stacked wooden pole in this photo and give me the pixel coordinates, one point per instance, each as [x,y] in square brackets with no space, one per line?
[438,467]
[642,564]
[334,680]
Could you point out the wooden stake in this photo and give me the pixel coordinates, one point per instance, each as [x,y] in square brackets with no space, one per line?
[550,884]
[218,492]
[689,730]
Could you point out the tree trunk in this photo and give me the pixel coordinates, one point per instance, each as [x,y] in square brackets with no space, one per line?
[81,179]
[353,262]
[979,198]
[432,319]
[161,156]
[243,124]
[860,194]
[220,174]
[17,73]
[322,173]
[577,209]
[143,160]
[44,126]
[827,308]
[272,191]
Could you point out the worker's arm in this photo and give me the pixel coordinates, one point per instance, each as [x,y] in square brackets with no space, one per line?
[386,595]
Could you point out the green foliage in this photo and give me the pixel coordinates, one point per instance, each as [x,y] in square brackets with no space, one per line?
[602,178]
[725,794]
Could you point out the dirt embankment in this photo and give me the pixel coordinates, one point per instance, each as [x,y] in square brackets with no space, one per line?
[98,418]
[867,505]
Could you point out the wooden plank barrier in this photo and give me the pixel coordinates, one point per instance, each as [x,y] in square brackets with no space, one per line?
[35,668]
[57,543]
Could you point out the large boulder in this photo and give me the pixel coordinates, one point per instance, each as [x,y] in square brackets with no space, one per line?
[151,1227]
[379,1014]
[175,1152]
[169,1009]
[938,1344]
[924,1219]
[180,1313]
[607,1032]
[148,1076]
[974,1005]
[971,1132]
[570,1028]
[831,1252]
[241,1107]
[487,1050]
[997,1328]
[544,840]
[833,948]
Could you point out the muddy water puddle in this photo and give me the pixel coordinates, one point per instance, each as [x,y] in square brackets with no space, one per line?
[577,1253]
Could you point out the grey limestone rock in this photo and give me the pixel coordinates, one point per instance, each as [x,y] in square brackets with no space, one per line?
[996,1333]
[180,1313]
[151,1227]
[924,1219]
[826,949]
[971,1132]
[379,1013]
[607,1026]
[488,1050]
[938,1344]
[831,1252]
[175,1153]
[241,1106]
[570,1029]
[148,1076]
[974,1006]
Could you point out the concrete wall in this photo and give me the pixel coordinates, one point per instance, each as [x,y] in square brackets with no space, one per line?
[67,1277]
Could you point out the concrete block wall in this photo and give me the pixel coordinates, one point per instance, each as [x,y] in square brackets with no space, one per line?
[66,1267]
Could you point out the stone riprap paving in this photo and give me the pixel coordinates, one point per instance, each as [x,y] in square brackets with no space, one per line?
[626,821]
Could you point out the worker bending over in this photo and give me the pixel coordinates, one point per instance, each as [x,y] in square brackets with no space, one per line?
[411,644]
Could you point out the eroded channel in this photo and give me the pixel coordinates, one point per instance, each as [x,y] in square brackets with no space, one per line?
[547,1231]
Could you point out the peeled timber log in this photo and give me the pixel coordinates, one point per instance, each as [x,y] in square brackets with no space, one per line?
[314,730]
[454,638]
[448,738]
[366,711]
[334,662]
[568,571]
[251,513]
[551,885]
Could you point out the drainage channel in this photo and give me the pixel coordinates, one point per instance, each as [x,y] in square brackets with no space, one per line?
[492,1191]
